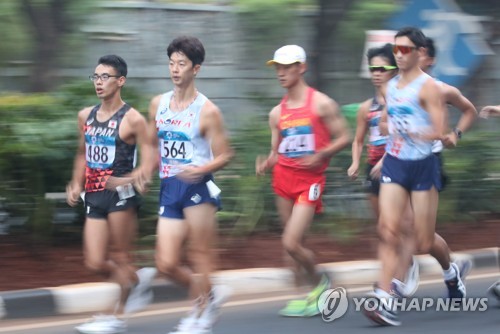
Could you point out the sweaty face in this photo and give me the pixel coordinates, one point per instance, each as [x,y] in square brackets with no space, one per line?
[181,69]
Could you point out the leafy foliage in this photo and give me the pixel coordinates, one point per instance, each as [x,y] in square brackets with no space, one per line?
[365,15]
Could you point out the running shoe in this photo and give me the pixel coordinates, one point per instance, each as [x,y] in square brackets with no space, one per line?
[141,294]
[295,308]
[456,287]
[217,297]
[324,284]
[103,324]
[495,289]
[313,296]
[376,311]
[188,324]
[307,307]
[464,266]
[412,279]
[397,289]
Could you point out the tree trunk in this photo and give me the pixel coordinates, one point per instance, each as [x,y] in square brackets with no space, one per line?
[49,26]
[327,20]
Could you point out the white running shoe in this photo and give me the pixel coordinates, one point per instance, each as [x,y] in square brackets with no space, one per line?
[412,279]
[495,289]
[218,296]
[103,324]
[397,289]
[409,286]
[456,287]
[141,294]
[188,324]
[464,266]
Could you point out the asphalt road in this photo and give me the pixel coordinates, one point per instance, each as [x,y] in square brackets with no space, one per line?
[251,314]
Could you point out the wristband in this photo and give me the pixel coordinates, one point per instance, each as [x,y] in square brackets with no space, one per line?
[458,132]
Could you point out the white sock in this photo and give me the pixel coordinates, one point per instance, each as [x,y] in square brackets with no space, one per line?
[449,274]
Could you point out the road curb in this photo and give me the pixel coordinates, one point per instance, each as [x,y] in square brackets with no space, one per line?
[97,297]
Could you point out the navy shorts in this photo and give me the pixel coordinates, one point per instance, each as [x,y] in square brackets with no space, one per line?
[372,185]
[99,204]
[413,175]
[175,195]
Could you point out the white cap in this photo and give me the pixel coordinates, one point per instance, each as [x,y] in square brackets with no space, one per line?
[288,54]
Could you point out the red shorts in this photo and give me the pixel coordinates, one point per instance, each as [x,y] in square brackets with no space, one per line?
[298,185]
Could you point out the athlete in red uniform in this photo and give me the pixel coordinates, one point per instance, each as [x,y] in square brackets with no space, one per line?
[302,127]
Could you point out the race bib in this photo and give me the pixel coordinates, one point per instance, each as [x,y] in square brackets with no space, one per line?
[298,145]
[314,192]
[175,148]
[375,135]
[100,155]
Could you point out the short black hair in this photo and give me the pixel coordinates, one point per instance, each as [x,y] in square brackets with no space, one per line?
[117,62]
[384,52]
[431,48]
[414,34]
[190,46]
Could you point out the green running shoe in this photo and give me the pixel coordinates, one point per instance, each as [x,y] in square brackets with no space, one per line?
[295,308]
[323,285]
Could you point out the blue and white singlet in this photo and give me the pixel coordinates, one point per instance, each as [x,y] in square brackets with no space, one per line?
[408,120]
[179,138]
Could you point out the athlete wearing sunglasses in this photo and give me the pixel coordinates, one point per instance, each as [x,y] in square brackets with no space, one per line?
[383,69]
[454,279]
[404,49]
[415,116]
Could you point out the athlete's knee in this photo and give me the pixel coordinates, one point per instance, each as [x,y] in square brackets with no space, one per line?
[166,265]
[388,233]
[426,244]
[292,245]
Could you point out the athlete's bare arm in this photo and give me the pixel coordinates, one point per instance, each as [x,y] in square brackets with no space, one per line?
[141,175]
[431,99]
[454,97]
[264,163]
[383,123]
[214,130]
[75,186]
[152,134]
[336,124]
[359,138]
[490,111]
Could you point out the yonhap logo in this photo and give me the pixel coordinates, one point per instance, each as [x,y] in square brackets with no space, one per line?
[332,304]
